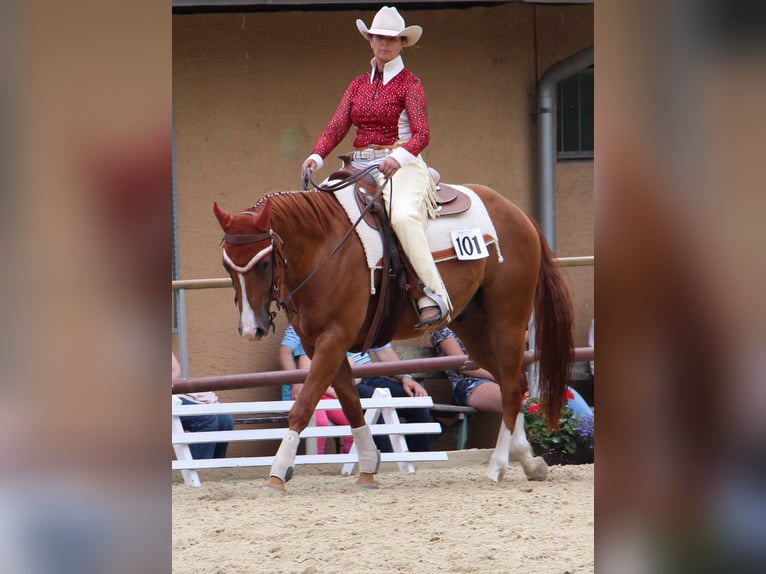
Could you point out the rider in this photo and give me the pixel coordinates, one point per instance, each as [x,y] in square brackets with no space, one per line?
[388,107]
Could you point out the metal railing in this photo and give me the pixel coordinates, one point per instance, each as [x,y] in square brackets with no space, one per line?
[181,285]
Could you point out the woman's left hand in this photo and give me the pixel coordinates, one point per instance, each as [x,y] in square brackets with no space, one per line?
[389,166]
[413,388]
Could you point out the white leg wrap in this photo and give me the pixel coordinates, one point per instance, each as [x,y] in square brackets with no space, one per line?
[369,455]
[282,467]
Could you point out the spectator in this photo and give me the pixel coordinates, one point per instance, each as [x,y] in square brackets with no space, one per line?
[477,388]
[203,423]
[292,355]
[291,351]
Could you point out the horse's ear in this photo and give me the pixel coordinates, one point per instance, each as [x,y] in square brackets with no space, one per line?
[262,221]
[224,217]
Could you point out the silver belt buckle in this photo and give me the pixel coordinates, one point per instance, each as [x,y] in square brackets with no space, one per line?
[371,154]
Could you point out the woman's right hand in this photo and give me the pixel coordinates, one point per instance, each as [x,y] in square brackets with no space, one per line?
[307,169]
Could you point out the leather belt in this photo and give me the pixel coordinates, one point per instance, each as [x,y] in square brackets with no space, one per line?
[370,154]
[375,151]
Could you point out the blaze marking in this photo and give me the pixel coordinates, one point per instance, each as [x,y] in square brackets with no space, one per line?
[247,318]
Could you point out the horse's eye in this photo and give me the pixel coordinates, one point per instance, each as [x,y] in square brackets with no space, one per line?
[263,265]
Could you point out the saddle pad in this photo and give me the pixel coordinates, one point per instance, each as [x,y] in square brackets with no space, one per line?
[438,232]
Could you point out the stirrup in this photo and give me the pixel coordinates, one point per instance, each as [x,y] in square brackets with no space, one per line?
[439,303]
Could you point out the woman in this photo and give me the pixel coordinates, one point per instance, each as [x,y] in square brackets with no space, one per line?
[476,388]
[388,107]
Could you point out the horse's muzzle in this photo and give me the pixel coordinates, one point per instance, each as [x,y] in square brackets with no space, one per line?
[252,334]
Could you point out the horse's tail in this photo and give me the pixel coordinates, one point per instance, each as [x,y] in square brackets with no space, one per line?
[554,339]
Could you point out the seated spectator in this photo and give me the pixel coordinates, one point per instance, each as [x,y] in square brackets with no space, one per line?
[203,423]
[292,355]
[399,386]
[477,388]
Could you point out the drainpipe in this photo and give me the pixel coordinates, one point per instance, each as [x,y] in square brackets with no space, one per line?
[546,136]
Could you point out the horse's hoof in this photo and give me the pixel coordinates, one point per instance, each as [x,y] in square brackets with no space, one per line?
[274,486]
[367,481]
[496,474]
[539,470]
[266,489]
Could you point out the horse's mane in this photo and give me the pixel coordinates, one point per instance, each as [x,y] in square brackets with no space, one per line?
[311,209]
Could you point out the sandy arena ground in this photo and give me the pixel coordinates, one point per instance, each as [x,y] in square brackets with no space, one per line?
[447,517]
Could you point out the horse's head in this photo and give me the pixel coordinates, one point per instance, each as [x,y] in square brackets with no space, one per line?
[247,250]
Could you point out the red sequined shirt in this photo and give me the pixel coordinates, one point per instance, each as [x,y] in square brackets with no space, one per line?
[385,109]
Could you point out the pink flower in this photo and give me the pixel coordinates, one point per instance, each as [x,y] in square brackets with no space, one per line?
[569,395]
[534,408]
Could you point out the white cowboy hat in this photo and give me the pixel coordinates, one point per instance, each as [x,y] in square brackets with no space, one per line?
[388,22]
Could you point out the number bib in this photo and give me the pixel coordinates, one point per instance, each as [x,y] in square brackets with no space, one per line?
[469,243]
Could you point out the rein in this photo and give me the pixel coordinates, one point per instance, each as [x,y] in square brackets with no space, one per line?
[340,184]
[332,188]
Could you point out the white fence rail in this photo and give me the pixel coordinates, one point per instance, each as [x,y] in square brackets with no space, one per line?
[381,404]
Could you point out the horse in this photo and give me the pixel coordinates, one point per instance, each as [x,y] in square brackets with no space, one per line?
[295,248]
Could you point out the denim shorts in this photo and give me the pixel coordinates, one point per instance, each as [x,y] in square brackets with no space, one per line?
[463,389]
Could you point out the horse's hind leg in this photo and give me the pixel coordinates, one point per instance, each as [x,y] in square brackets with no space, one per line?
[517,446]
[500,349]
[513,445]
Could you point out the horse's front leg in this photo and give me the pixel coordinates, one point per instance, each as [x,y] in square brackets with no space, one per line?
[324,369]
[369,455]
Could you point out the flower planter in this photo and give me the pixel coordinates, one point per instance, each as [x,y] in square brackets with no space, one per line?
[582,455]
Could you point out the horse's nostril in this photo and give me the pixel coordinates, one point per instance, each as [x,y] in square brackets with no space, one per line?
[260,333]
[240,330]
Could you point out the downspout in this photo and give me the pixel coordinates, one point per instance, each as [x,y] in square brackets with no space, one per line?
[179,296]
[546,136]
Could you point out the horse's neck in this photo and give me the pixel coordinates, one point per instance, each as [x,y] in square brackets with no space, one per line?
[320,219]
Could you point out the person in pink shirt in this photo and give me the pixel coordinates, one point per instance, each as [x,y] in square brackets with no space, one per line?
[387,105]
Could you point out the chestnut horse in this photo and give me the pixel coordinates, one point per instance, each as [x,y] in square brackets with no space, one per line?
[290,248]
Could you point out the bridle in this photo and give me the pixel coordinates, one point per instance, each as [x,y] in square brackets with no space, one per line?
[248,238]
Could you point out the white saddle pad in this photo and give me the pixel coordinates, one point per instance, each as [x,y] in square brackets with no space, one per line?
[438,232]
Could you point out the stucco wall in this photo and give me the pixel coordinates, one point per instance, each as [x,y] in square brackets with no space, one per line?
[253,91]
